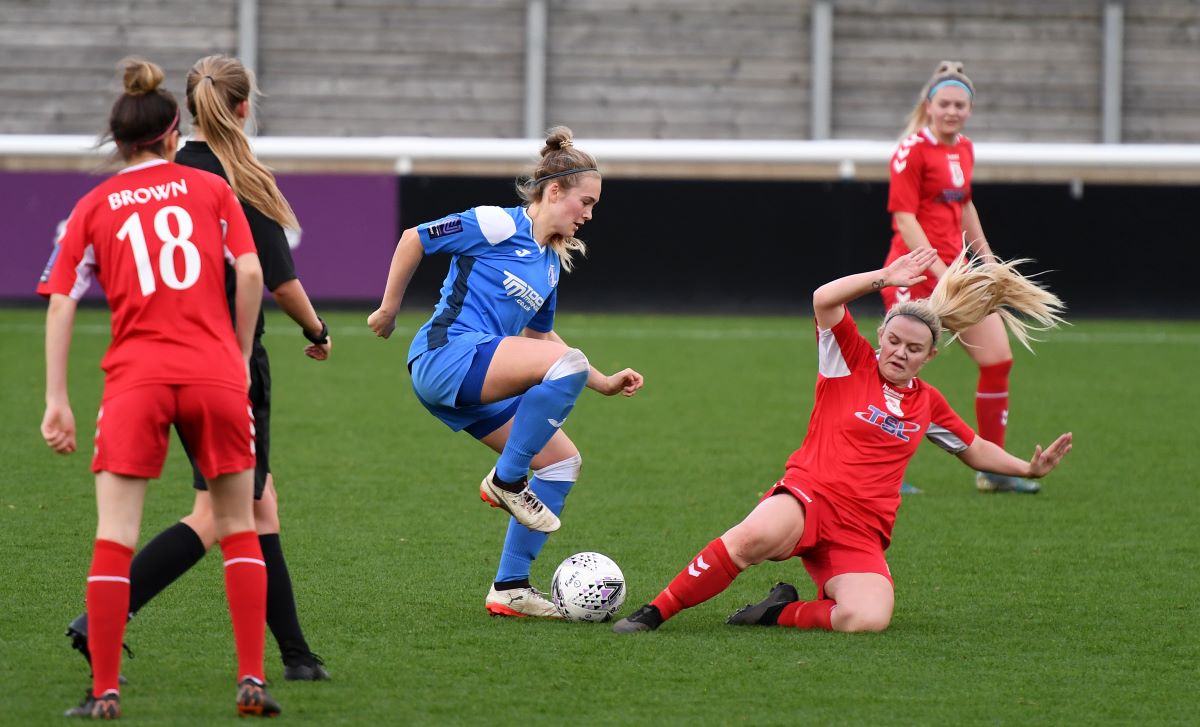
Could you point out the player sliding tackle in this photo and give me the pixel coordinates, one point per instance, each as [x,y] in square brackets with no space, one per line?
[837,501]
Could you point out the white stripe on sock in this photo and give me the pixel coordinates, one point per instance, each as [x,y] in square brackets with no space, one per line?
[990,394]
[235,561]
[114,579]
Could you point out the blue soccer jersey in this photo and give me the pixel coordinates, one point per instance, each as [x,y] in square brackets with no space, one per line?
[501,281]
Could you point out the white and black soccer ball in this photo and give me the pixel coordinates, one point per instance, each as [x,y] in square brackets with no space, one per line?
[588,587]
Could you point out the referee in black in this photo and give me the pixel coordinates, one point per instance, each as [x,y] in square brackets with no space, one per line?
[219,94]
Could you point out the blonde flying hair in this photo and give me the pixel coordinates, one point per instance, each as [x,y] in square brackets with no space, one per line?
[559,155]
[946,71]
[215,87]
[971,289]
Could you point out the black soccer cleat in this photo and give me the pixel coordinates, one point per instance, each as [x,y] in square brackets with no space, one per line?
[646,618]
[77,631]
[306,667]
[765,612]
[106,707]
[253,700]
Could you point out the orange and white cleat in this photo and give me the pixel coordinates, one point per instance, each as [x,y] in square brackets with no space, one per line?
[520,602]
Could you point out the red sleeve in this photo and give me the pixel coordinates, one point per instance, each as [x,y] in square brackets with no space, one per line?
[904,188]
[969,150]
[842,349]
[238,240]
[946,428]
[72,263]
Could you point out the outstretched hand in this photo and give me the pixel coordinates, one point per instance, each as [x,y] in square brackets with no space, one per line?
[625,382]
[382,322]
[906,270]
[1046,460]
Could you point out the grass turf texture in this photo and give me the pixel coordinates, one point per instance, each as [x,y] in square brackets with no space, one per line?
[1075,606]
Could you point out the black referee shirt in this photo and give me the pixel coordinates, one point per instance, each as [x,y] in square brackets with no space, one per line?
[273,251]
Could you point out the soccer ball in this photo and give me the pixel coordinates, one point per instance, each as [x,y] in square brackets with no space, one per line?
[588,587]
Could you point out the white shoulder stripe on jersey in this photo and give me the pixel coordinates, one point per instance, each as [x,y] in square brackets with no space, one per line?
[495,224]
[945,439]
[228,255]
[84,272]
[830,361]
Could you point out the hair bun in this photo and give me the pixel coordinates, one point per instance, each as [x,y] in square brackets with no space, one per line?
[141,77]
[946,67]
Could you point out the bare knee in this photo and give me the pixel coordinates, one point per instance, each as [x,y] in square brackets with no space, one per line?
[749,546]
[857,617]
[200,519]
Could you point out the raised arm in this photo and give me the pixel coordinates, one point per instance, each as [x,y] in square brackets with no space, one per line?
[405,260]
[829,299]
[58,423]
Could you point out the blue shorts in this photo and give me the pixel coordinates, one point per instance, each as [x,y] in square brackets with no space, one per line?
[439,375]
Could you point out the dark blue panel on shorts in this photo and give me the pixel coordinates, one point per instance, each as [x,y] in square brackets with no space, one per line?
[484,427]
[470,392]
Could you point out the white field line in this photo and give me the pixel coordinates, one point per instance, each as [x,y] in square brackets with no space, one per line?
[702,334]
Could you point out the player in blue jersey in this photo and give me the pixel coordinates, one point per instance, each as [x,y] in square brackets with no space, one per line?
[488,360]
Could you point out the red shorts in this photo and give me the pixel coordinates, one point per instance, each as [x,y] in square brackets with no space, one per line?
[829,547]
[920,291]
[132,429]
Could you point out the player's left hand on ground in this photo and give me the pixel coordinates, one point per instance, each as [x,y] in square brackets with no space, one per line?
[58,429]
[319,351]
[382,323]
[626,382]
[1045,460]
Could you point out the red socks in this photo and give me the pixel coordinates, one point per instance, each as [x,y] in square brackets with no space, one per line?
[246,591]
[808,615]
[710,573]
[108,608]
[991,401]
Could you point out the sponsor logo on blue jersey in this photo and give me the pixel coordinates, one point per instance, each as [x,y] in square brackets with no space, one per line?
[519,290]
[446,226]
[898,428]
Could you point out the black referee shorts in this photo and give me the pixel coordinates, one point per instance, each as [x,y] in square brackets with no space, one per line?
[260,402]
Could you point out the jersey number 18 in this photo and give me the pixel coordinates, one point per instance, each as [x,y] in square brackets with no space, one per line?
[132,230]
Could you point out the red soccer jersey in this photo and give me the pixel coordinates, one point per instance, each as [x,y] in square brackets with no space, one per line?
[863,431]
[932,181]
[157,236]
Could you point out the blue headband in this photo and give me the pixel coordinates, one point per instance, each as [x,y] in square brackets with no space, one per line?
[950,82]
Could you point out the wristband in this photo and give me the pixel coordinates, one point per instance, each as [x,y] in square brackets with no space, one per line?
[321,338]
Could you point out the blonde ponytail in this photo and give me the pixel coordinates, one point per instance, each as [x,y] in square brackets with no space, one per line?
[215,87]
[971,290]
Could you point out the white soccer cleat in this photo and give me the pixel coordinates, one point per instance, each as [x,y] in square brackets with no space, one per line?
[520,602]
[524,505]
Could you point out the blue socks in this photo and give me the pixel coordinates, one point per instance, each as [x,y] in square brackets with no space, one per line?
[543,409]
[522,545]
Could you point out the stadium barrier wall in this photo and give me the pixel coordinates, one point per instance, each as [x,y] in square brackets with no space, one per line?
[750,241]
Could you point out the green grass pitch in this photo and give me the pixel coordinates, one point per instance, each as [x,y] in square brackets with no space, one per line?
[1077,606]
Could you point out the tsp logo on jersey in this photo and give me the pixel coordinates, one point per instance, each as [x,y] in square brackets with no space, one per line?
[518,289]
[898,428]
[445,226]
